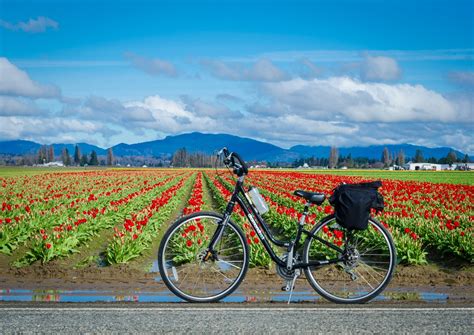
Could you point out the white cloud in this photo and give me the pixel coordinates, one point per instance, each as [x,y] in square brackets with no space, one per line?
[38,25]
[380,68]
[202,108]
[17,107]
[154,66]
[107,110]
[16,82]
[51,129]
[346,99]
[172,116]
[261,70]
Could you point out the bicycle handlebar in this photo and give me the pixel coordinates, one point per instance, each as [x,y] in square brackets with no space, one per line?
[240,168]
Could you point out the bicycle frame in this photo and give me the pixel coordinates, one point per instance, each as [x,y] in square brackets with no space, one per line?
[265,235]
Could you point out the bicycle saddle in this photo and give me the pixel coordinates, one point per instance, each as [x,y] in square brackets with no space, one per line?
[312,197]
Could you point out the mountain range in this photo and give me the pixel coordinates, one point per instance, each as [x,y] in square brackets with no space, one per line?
[250,149]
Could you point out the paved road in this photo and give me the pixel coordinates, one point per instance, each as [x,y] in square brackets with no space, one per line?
[222,319]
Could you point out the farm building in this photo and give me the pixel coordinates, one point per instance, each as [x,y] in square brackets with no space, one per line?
[438,167]
[422,166]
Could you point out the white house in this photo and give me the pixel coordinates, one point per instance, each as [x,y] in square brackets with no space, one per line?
[438,167]
[53,164]
[422,166]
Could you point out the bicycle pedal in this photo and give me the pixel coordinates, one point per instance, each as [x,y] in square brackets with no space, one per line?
[286,288]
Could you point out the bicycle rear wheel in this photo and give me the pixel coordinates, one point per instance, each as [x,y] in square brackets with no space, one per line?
[369,259]
[189,271]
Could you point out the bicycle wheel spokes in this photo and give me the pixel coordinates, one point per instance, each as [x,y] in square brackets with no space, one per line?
[191,271]
[365,269]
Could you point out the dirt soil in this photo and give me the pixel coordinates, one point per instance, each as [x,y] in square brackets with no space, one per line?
[457,284]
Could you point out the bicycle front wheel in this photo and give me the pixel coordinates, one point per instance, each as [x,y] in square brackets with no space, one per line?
[192,273]
[368,261]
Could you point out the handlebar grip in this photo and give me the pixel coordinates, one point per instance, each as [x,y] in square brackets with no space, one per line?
[241,161]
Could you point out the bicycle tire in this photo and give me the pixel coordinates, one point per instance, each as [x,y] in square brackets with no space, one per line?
[335,282]
[174,257]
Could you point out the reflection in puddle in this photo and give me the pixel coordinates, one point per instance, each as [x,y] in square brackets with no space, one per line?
[166,296]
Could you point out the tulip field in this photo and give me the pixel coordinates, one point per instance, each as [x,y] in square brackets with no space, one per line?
[122,213]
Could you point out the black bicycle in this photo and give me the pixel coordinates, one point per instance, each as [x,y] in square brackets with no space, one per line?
[203,257]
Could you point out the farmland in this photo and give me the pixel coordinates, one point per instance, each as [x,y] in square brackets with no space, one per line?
[101,218]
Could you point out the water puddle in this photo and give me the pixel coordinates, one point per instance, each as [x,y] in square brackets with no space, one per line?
[168,297]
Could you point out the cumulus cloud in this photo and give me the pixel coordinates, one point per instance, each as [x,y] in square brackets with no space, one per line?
[153,66]
[343,98]
[228,98]
[180,116]
[16,82]
[261,70]
[202,108]
[38,25]
[376,68]
[46,129]
[17,107]
[107,110]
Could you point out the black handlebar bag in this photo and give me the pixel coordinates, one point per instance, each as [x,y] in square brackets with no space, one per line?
[352,204]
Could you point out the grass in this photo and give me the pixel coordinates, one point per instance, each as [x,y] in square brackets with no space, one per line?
[448,177]
[29,171]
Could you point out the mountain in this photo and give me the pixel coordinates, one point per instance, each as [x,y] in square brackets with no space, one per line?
[208,143]
[375,151]
[85,148]
[21,147]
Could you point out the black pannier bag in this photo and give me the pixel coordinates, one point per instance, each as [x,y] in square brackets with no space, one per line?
[352,203]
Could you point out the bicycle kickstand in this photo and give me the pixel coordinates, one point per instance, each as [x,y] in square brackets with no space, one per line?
[291,283]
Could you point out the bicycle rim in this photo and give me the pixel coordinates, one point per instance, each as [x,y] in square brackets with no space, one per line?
[358,278]
[183,264]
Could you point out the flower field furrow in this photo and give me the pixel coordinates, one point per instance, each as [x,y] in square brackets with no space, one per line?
[142,226]
[64,239]
[52,215]
[195,201]
[76,212]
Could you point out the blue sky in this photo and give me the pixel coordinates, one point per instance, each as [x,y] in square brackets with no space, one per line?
[287,72]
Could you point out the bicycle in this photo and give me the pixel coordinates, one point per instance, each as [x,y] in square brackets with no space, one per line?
[203,257]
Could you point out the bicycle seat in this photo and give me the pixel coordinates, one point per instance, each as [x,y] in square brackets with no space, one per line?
[312,197]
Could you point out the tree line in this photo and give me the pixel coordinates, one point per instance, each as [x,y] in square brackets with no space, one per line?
[183,158]
[46,155]
[387,159]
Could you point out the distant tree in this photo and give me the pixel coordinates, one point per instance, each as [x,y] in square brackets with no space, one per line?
[432,160]
[83,161]
[401,157]
[110,157]
[180,158]
[333,157]
[349,161]
[451,157]
[386,159]
[77,155]
[93,161]
[43,155]
[419,156]
[65,157]
[50,154]
[466,159]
